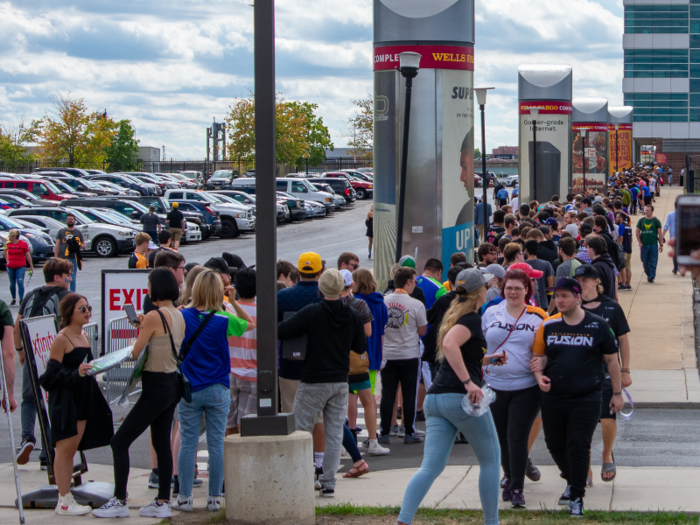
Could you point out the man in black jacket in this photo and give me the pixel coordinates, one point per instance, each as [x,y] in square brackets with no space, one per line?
[333,330]
[601,261]
[600,227]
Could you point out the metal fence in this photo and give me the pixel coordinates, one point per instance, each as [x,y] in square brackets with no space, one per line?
[93,333]
[119,334]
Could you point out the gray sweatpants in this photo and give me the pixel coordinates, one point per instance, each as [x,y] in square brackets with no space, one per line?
[332,400]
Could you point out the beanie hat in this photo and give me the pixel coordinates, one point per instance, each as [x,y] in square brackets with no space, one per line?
[331,284]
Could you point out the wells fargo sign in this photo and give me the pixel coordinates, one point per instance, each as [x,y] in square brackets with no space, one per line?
[432,57]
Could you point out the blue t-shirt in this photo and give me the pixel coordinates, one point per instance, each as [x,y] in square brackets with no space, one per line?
[375,302]
[634,191]
[503,194]
[208,362]
[626,233]
[431,290]
[514,193]
[645,190]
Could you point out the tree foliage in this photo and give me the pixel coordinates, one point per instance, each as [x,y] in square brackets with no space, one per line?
[122,152]
[13,139]
[360,128]
[71,134]
[299,131]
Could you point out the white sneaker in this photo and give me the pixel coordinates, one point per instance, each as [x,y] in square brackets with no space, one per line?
[402,432]
[67,506]
[375,449]
[114,508]
[214,503]
[156,510]
[184,504]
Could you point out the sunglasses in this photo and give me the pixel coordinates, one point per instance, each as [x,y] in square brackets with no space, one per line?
[84,309]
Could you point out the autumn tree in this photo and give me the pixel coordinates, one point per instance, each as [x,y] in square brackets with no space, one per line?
[122,153]
[70,133]
[359,128]
[13,140]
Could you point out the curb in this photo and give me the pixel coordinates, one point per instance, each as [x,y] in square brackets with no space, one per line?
[667,405]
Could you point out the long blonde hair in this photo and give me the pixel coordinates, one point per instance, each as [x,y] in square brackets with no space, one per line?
[208,291]
[463,304]
[186,296]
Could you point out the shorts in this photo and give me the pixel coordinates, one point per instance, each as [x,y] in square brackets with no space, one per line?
[176,234]
[288,391]
[628,261]
[607,396]
[244,399]
[362,385]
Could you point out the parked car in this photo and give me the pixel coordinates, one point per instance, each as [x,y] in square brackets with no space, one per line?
[295,204]
[43,189]
[186,182]
[315,209]
[41,244]
[340,185]
[74,172]
[96,172]
[235,217]
[124,181]
[510,180]
[105,240]
[220,180]
[366,176]
[163,207]
[298,187]
[51,226]
[339,200]
[152,179]
[212,217]
[120,190]
[86,186]
[68,189]
[365,170]
[362,188]
[13,201]
[24,194]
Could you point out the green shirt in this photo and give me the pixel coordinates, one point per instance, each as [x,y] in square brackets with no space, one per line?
[5,315]
[649,229]
[626,197]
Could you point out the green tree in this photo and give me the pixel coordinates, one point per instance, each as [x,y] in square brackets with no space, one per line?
[477,153]
[360,128]
[121,154]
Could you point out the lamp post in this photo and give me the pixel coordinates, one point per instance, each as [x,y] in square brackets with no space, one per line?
[617,150]
[584,132]
[534,112]
[481,100]
[408,66]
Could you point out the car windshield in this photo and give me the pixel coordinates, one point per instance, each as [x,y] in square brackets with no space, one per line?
[10,222]
[52,186]
[226,198]
[113,216]
[80,216]
[63,186]
[130,178]
[221,174]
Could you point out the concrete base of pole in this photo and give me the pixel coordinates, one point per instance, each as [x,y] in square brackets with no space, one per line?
[269,479]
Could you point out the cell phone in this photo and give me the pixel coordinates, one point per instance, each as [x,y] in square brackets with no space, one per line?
[687,229]
[498,359]
[131,313]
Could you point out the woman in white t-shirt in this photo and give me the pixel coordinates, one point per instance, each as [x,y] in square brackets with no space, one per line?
[511,326]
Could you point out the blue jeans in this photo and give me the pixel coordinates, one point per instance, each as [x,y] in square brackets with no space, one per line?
[28,411]
[444,417]
[16,276]
[650,257]
[213,401]
[74,275]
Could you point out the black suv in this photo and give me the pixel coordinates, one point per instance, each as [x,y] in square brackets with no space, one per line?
[75,172]
[340,187]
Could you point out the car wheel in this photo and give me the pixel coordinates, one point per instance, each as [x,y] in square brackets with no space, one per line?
[361,194]
[229,230]
[105,247]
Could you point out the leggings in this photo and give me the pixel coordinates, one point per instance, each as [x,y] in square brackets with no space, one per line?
[350,444]
[159,397]
[513,413]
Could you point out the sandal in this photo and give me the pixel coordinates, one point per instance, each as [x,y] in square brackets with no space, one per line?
[589,482]
[356,472]
[608,468]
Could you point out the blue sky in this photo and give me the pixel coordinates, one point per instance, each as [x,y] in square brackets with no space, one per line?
[172,66]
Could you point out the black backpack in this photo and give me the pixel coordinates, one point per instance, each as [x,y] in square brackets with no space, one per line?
[43,302]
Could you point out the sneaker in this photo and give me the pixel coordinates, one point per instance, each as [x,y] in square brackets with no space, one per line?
[531,471]
[375,449]
[214,503]
[369,255]
[507,493]
[67,506]
[25,449]
[328,493]
[43,464]
[394,430]
[114,508]
[565,498]
[649,280]
[153,481]
[13,302]
[576,508]
[402,432]
[156,510]
[184,504]
[411,439]
[420,416]
[317,483]
[384,440]
[517,500]
[620,286]
[196,482]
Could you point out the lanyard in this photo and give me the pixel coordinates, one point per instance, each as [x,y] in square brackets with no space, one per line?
[512,329]
[629,415]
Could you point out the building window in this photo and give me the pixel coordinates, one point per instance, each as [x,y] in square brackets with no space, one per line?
[659,107]
[657,19]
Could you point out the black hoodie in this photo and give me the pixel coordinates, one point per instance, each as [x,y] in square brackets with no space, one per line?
[332,330]
[606,272]
[548,252]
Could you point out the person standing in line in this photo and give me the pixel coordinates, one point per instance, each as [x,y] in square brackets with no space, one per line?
[69,242]
[151,223]
[176,225]
[17,257]
[480,219]
[568,264]
[430,283]
[624,237]
[670,176]
[369,223]
[601,261]
[461,348]
[139,258]
[669,226]
[532,250]
[568,351]
[651,241]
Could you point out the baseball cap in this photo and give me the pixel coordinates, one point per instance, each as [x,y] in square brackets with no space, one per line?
[331,284]
[233,260]
[175,205]
[586,200]
[529,270]
[587,270]
[309,260]
[347,277]
[469,280]
[407,261]
[566,283]
[493,270]
[552,222]
[218,265]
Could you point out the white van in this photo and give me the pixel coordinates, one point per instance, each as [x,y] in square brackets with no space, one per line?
[300,188]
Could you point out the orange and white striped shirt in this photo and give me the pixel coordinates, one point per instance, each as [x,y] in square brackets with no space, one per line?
[244,349]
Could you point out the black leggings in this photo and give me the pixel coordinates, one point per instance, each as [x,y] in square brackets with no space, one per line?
[405,372]
[513,413]
[568,430]
[160,395]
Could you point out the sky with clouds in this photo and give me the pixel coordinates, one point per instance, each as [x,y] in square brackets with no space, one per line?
[171,66]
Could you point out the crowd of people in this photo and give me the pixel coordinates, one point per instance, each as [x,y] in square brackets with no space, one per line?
[535,318]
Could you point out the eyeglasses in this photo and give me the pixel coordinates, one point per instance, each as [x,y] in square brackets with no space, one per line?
[180,267]
[84,309]
[516,289]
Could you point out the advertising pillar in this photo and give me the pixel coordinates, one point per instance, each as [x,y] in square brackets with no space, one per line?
[590,147]
[439,207]
[620,139]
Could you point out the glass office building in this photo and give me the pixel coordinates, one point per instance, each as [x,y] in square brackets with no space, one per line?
[662,75]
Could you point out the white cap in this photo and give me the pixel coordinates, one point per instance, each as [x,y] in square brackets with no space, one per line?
[347,277]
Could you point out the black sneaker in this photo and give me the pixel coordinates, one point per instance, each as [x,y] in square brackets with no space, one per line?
[420,416]
[649,280]
[13,302]
[25,449]
[153,480]
[565,498]
[506,494]
[328,493]
[576,508]
[532,472]
[517,500]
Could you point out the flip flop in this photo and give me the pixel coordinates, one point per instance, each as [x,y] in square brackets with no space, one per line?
[589,482]
[607,468]
[358,471]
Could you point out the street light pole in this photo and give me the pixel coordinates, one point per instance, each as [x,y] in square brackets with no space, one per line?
[534,112]
[584,132]
[617,150]
[481,100]
[409,62]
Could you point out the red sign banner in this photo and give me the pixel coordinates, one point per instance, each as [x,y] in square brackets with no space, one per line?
[551,107]
[661,158]
[620,127]
[595,126]
[432,57]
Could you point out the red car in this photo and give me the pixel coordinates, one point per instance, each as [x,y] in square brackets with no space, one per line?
[362,188]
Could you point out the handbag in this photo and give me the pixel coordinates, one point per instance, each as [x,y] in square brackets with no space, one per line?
[185,385]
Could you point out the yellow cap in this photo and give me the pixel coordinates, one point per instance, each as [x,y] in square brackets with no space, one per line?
[310,262]
[175,205]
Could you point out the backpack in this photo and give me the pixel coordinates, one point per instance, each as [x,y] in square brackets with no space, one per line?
[44,302]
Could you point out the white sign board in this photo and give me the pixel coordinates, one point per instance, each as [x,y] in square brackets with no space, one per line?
[42,332]
[590,153]
[120,287]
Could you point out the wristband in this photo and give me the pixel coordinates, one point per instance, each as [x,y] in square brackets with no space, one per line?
[467,381]
[617,393]
[20,349]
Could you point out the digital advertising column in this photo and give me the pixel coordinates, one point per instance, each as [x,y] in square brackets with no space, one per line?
[620,139]
[439,207]
[544,156]
[589,132]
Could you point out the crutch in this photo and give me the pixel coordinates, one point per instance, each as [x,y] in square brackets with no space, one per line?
[6,399]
